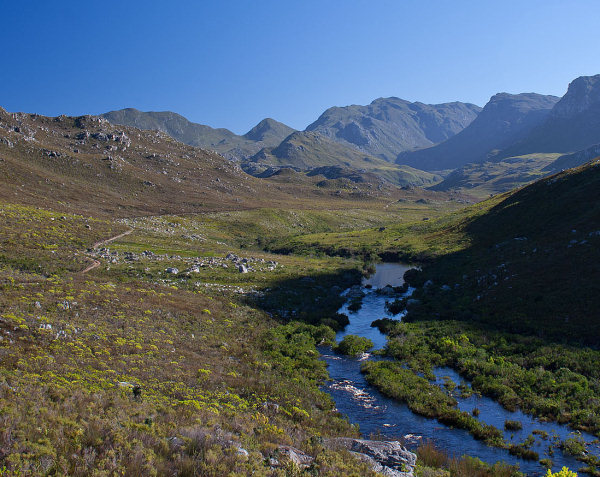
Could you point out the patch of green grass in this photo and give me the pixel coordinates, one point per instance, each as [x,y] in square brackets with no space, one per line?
[412,239]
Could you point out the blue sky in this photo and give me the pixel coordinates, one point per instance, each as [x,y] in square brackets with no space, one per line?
[232,63]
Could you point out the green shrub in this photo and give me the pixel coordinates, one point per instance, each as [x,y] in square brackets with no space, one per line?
[523,452]
[352,345]
[574,445]
[512,425]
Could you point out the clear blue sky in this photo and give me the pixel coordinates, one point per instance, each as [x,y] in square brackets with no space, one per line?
[231,63]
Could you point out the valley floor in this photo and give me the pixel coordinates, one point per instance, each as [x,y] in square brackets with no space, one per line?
[187,344]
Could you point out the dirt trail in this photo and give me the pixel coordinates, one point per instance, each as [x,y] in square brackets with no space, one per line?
[96,263]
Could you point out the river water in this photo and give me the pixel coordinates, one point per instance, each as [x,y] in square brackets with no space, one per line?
[384,417]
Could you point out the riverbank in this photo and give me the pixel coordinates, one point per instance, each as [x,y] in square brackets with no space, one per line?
[378,414]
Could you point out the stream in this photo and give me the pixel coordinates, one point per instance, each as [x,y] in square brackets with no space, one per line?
[383,417]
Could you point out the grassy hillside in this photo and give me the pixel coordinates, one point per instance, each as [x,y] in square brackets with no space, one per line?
[483,179]
[417,236]
[523,261]
[309,150]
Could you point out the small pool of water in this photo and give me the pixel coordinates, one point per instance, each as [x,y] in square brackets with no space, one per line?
[377,414]
[387,274]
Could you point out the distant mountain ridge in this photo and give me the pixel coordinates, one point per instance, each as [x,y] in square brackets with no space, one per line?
[504,120]
[382,129]
[389,126]
[266,133]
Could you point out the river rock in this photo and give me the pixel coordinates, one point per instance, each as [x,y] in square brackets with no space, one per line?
[394,459]
[356,292]
[387,290]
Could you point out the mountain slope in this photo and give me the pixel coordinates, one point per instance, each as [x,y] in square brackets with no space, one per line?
[308,150]
[505,119]
[266,133]
[528,261]
[572,125]
[388,126]
[87,165]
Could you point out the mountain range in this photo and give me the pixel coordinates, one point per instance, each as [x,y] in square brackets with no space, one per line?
[356,138]
[397,140]
[389,126]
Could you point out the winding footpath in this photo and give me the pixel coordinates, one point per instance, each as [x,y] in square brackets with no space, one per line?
[96,263]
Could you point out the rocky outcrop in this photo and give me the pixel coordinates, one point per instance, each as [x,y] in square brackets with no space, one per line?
[389,458]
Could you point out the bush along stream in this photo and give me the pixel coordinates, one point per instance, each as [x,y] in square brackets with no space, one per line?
[451,385]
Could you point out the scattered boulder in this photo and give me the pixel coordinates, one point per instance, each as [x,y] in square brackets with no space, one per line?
[242,268]
[391,457]
[172,270]
[175,442]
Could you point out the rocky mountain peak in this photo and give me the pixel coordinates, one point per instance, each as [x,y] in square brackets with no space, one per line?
[583,94]
[519,103]
[267,129]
